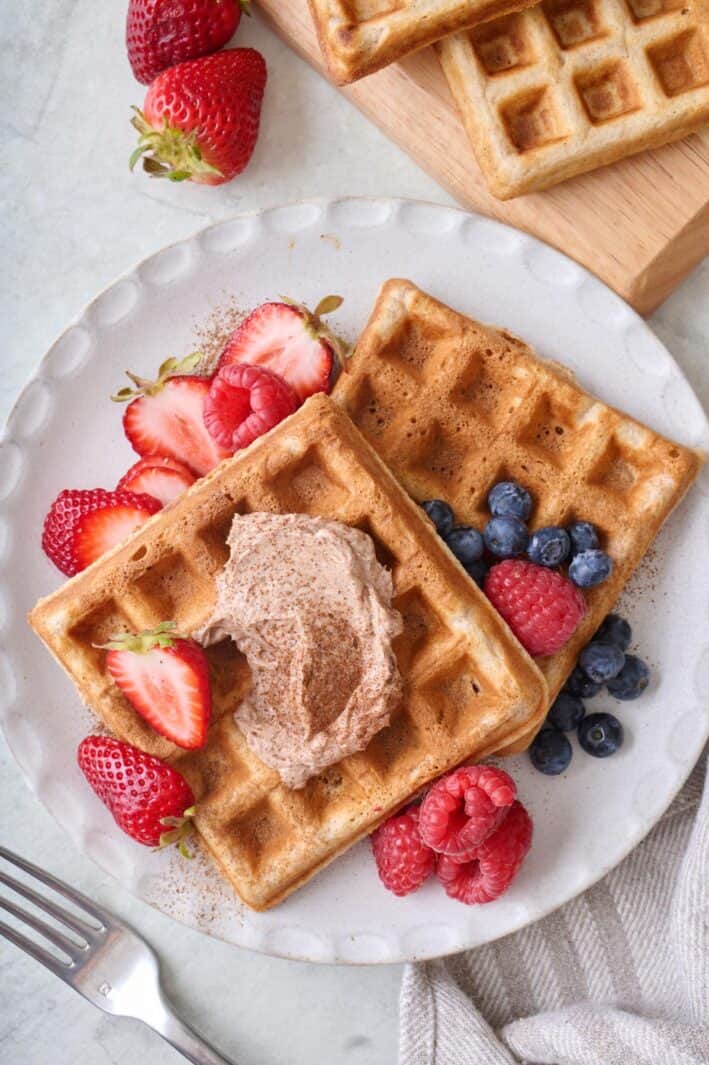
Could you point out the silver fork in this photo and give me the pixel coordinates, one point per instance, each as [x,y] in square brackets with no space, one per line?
[103,959]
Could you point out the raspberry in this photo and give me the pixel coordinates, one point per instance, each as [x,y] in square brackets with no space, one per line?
[244,402]
[463,808]
[403,861]
[542,607]
[496,862]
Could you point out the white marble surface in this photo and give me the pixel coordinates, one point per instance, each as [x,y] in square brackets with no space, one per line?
[72,218]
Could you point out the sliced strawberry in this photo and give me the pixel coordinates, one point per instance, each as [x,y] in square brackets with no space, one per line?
[164,483]
[165,678]
[291,341]
[161,462]
[244,402]
[83,523]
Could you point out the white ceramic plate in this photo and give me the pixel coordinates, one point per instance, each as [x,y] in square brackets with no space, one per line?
[65,433]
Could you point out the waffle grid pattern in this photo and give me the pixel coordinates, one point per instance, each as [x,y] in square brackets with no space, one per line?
[468,685]
[570,85]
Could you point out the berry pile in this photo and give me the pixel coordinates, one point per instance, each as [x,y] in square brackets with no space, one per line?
[603,662]
[470,830]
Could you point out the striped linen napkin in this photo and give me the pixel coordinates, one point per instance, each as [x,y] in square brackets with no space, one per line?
[618,976]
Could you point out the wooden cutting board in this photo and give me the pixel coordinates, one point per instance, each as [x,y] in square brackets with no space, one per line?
[641,224]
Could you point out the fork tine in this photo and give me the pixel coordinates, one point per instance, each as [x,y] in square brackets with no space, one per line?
[86,931]
[77,897]
[37,952]
[73,950]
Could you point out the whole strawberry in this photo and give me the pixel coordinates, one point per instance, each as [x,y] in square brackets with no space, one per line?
[150,801]
[161,33]
[200,119]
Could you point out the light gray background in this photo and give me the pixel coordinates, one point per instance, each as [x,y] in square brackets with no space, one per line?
[72,219]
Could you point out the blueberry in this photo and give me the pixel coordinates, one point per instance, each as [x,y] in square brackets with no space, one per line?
[590,568]
[583,536]
[549,546]
[601,661]
[478,571]
[509,499]
[615,630]
[567,711]
[551,752]
[632,680]
[506,537]
[440,514]
[466,543]
[579,684]
[600,735]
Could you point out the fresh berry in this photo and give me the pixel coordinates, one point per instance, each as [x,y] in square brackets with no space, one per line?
[243,403]
[600,735]
[583,536]
[632,680]
[166,416]
[506,537]
[496,862]
[541,606]
[200,119]
[509,499]
[549,546]
[292,342]
[403,861]
[550,752]
[463,808]
[149,800]
[579,684]
[441,514]
[601,661]
[566,712]
[165,678]
[161,33]
[466,543]
[478,570]
[615,630]
[83,523]
[589,568]
[163,479]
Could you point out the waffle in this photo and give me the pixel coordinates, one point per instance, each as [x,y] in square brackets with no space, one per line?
[468,684]
[358,37]
[453,407]
[571,85]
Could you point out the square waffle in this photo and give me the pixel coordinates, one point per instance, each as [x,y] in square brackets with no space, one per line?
[358,37]
[570,85]
[453,407]
[469,686]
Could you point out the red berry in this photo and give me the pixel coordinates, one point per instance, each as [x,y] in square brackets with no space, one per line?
[403,861]
[138,789]
[83,523]
[162,478]
[464,808]
[542,607]
[495,864]
[160,33]
[244,402]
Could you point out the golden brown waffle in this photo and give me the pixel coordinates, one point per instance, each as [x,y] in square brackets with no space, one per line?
[453,407]
[571,85]
[468,685]
[358,37]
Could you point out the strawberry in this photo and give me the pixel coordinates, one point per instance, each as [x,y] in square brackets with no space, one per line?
[165,677]
[293,342]
[244,402]
[160,33]
[83,523]
[165,416]
[162,478]
[144,794]
[200,119]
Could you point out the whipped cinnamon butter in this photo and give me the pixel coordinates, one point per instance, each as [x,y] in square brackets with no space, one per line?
[309,605]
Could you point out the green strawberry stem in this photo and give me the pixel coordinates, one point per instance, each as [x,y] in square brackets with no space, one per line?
[163,635]
[168,152]
[169,368]
[180,828]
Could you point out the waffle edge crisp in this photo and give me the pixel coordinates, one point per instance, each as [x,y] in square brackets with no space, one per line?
[469,686]
[454,406]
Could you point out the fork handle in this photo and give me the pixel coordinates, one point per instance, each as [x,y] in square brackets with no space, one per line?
[182,1038]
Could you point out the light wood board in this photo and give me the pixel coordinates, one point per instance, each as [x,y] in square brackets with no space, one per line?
[640,224]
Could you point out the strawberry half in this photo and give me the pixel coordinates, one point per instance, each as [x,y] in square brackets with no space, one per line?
[165,678]
[162,478]
[84,523]
[166,416]
[200,119]
[244,402]
[291,341]
[149,800]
